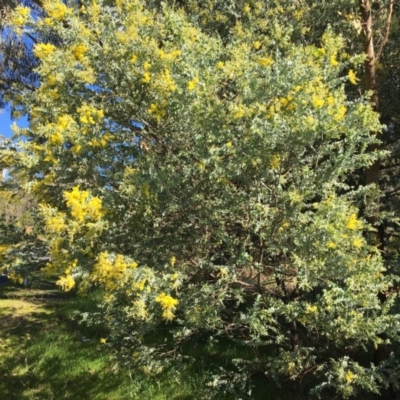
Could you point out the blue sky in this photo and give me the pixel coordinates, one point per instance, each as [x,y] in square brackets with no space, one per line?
[5,123]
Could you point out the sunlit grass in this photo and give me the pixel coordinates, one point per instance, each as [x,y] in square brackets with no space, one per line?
[45,354]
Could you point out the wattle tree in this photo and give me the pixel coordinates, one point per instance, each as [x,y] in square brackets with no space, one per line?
[195,167]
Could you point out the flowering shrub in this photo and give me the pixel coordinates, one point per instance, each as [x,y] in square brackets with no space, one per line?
[199,179]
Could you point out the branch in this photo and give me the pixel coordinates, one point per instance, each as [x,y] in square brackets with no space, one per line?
[386,36]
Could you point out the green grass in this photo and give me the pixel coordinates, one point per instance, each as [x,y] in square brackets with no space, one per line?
[43,356]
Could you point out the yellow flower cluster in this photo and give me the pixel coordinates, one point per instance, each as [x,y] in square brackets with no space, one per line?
[79,51]
[193,83]
[163,84]
[56,138]
[87,75]
[64,122]
[311,309]
[43,50]
[56,223]
[349,377]
[353,223]
[94,10]
[358,243]
[146,75]
[332,60]
[352,77]
[173,55]
[239,112]
[109,272]
[317,101]
[157,111]
[146,78]
[20,16]
[168,305]
[265,62]
[82,205]
[66,282]
[101,142]
[340,113]
[89,114]
[56,9]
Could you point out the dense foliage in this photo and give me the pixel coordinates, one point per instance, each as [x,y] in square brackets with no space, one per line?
[200,165]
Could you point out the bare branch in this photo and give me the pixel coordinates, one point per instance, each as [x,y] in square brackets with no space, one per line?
[386,36]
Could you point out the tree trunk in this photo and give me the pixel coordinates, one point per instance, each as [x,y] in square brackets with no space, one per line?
[372,172]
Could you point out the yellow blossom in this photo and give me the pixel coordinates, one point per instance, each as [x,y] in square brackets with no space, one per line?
[172,261]
[103,341]
[140,285]
[193,83]
[239,113]
[353,223]
[311,309]
[76,149]
[333,61]
[87,75]
[358,243]
[157,111]
[340,113]
[257,44]
[352,77]
[146,77]
[82,205]
[89,114]
[331,245]
[109,270]
[56,9]
[167,82]
[20,16]
[264,62]
[64,122]
[349,377]
[56,138]
[168,305]
[317,101]
[66,282]
[79,51]
[43,50]
[220,65]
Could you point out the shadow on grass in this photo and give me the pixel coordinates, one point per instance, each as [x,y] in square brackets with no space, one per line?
[43,357]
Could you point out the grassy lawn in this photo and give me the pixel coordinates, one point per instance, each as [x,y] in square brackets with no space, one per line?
[45,354]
